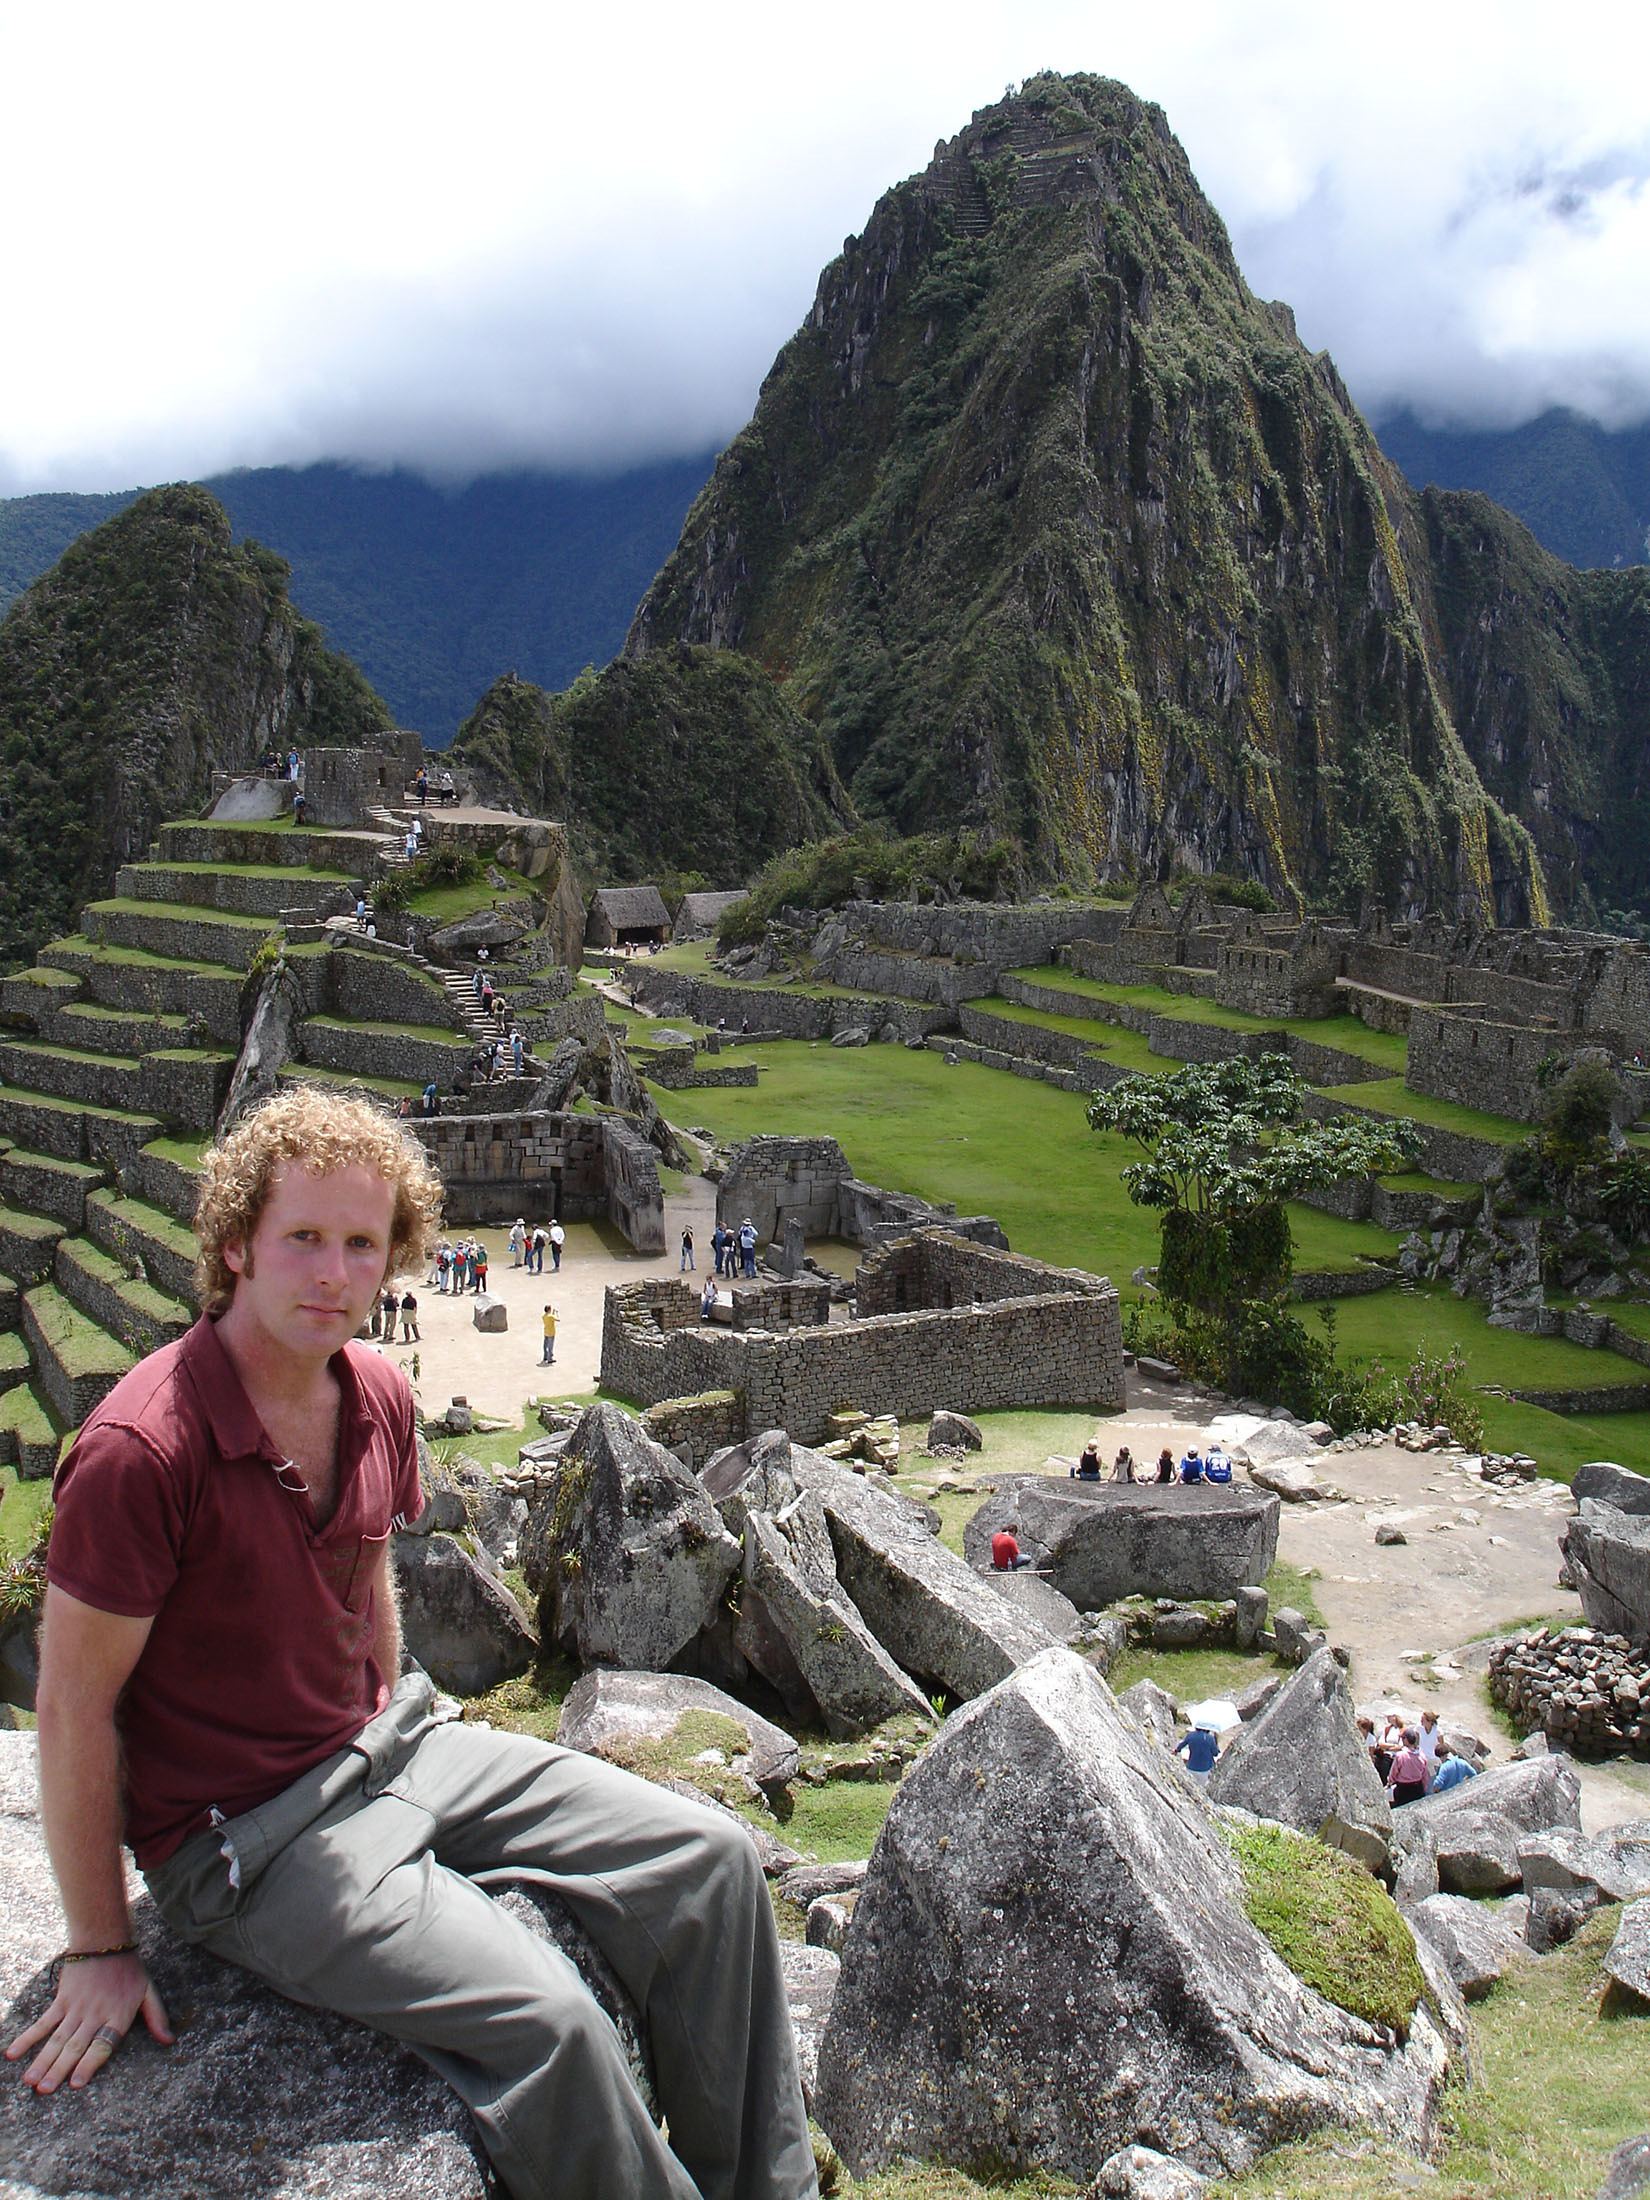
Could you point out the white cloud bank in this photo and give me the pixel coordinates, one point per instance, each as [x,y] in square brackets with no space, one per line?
[516,237]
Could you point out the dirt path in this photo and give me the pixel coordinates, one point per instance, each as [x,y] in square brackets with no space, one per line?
[1478,1561]
[499,1374]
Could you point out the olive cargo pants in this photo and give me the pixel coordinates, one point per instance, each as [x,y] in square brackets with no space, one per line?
[356,1890]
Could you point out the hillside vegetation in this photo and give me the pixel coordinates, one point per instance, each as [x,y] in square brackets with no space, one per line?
[433,591]
[690,761]
[155,652]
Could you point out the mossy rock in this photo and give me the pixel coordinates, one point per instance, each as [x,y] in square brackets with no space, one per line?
[1338,1931]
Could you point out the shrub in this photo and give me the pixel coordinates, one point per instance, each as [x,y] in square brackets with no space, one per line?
[1577,1112]
[1337,1930]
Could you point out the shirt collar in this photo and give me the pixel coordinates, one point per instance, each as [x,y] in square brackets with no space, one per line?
[237,1432]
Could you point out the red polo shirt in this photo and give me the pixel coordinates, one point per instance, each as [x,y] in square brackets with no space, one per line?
[173,1504]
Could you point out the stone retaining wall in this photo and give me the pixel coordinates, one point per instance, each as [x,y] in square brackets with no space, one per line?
[110,1084]
[213,995]
[697,1427]
[934,1268]
[930,978]
[352,854]
[1380,1011]
[1607,1398]
[1000,934]
[1484,1065]
[74,1133]
[785,1011]
[233,893]
[187,1087]
[1456,1156]
[165,1184]
[122,1031]
[40,1189]
[362,1052]
[496,1167]
[110,1224]
[1018,1065]
[1062,1346]
[1034,1041]
[378,990]
[1339,1283]
[71,1397]
[191,939]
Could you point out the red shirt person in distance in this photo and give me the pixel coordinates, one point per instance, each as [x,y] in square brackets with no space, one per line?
[221,1686]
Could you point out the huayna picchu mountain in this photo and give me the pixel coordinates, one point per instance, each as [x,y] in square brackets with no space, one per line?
[1054,528]
[155,652]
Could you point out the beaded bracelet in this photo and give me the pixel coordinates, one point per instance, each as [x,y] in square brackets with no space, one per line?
[91,1955]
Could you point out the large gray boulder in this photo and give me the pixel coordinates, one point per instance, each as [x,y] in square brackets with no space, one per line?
[1528,1798]
[1608,1554]
[802,1632]
[1615,1864]
[1474,1852]
[1627,1965]
[932,1613]
[1629,2177]
[754,1476]
[1050,1961]
[608,1706]
[258,2100]
[1102,1541]
[625,1552]
[1039,1599]
[1471,1941]
[1608,1484]
[460,1623]
[1303,1762]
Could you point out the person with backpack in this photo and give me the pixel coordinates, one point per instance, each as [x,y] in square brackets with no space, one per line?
[478,1267]
[558,1238]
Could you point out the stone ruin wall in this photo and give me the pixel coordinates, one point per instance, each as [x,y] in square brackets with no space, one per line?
[1061,1346]
[935,1269]
[775,1179]
[496,1167]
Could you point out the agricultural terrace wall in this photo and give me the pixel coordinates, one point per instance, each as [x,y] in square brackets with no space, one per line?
[785,1012]
[1063,1346]
[1456,1156]
[379,990]
[361,1051]
[355,854]
[980,931]
[884,971]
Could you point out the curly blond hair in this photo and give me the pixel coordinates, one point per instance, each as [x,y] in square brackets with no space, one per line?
[323,1132]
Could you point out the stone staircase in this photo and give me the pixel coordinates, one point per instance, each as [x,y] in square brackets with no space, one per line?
[116,1051]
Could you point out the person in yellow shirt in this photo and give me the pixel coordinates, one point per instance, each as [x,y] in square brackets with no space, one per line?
[549,1336]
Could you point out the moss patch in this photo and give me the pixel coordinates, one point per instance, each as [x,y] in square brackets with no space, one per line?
[1330,1922]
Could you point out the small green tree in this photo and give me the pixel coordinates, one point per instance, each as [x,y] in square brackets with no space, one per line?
[1226,1145]
[1576,1114]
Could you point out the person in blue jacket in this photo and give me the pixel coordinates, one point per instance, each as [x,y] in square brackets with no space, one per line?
[1452,1770]
[1200,1747]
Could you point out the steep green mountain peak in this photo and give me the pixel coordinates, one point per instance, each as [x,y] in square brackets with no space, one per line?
[1053,528]
[155,652]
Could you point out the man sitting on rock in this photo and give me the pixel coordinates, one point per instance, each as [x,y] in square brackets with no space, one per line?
[1452,1770]
[218,1687]
[1006,1554]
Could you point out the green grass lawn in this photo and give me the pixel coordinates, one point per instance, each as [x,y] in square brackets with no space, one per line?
[1629,1314]
[1388,1324]
[992,1143]
[1390,1049]
[23,1505]
[1391,1096]
[445,904]
[1123,1048]
[189,911]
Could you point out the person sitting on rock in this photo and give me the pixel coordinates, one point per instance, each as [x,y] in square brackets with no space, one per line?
[1191,1467]
[707,1299]
[1452,1770]
[1006,1554]
[1200,1746]
[1407,1781]
[1165,1465]
[228,1509]
[1123,1466]
[1087,1468]
[1216,1466]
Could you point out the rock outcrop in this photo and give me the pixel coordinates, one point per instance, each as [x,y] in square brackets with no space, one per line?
[1303,1762]
[461,1624]
[625,1554]
[608,1706]
[1608,1555]
[1098,1542]
[1050,1961]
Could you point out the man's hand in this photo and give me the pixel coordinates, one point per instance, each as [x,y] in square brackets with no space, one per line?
[94,1999]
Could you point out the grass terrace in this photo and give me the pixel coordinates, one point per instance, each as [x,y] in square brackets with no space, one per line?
[1390,1049]
[352,1080]
[1391,1096]
[1124,1048]
[446,904]
[120,905]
